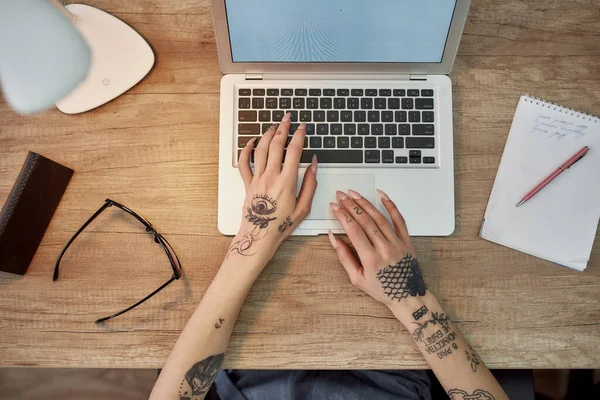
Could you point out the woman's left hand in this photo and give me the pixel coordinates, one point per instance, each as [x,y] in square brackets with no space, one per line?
[271,210]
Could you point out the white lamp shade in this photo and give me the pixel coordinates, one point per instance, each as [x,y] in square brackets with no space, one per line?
[42,55]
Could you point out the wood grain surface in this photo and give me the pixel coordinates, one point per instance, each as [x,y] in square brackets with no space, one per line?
[155,150]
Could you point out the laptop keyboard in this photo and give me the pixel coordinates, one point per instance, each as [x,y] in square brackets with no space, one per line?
[392,127]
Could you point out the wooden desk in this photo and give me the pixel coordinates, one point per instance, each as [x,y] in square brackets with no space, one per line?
[155,150]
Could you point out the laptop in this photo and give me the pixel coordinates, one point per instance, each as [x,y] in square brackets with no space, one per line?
[370,81]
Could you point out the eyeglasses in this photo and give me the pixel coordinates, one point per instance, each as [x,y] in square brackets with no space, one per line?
[158,238]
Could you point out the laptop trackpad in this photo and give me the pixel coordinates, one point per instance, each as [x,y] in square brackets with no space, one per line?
[330,183]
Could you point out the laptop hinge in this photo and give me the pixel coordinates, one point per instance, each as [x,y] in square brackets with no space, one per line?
[254,77]
[418,77]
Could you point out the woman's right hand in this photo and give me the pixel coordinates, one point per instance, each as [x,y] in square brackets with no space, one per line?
[386,268]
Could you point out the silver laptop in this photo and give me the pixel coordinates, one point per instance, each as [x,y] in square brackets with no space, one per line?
[369,80]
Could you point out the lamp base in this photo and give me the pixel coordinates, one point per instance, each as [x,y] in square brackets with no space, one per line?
[120,59]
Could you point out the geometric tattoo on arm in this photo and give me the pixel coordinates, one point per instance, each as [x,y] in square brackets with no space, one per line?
[200,377]
[403,279]
[436,319]
[243,245]
[260,208]
[457,394]
[473,358]
[285,224]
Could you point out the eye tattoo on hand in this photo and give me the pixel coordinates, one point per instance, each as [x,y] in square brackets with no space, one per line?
[260,208]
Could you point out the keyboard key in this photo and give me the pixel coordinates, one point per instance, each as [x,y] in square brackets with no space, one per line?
[293,115]
[360,116]
[422,129]
[329,142]
[414,153]
[244,92]
[427,116]
[415,160]
[333,116]
[339,103]
[319,116]
[428,160]
[372,156]
[300,92]
[390,129]
[265,127]
[403,129]
[387,156]
[400,116]
[380,103]
[371,92]
[366,103]
[420,143]
[272,92]
[385,92]
[363,129]
[243,140]
[399,92]
[397,142]
[305,143]
[343,92]
[383,142]
[325,103]
[305,116]
[258,102]
[278,115]
[293,128]
[357,92]
[346,116]
[356,142]
[328,92]
[312,103]
[264,116]
[258,92]
[247,116]
[401,160]
[387,116]
[349,129]
[424,104]
[407,104]
[414,116]
[251,155]
[373,116]
[285,102]
[413,92]
[427,92]
[322,129]
[335,129]
[377,129]
[298,103]
[310,129]
[248,129]
[316,142]
[353,103]
[333,156]
[370,142]
[244,102]
[394,103]
[271,102]
[287,92]
[314,92]
[343,142]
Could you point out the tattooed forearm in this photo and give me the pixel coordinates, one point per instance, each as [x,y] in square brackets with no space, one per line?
[440,342]
[403,279]
[285,224]
[436,319]
[200,377]
[478,394]
[243,245]
[220,323]
[260,208]
[419,313]
[473,358]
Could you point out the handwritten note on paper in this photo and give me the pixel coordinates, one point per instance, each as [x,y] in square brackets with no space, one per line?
[558,128]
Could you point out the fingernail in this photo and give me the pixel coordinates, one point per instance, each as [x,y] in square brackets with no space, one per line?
[302,126]
[314,164]
[383,195]
[354,195]
[273,127]
[287,117]
[251,142]
[334,206]
[332,240]
[341,195]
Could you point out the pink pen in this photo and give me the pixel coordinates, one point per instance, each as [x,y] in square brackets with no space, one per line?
[576,157]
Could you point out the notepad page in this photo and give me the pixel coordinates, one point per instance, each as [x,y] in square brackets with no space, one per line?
[559,223]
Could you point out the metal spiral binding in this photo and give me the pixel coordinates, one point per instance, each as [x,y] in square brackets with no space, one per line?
[568,111]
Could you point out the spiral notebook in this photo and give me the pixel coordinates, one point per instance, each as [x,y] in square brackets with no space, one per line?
[559,223]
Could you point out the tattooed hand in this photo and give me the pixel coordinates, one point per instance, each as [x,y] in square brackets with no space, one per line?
[271,210]
[388,270]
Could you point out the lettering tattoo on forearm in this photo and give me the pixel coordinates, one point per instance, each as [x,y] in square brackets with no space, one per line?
[473,358]
[285,224]
[440,342]
[260,208]
[478,394]
[199,378]
[220,323]
[419,313]
[403,279]
[436,319]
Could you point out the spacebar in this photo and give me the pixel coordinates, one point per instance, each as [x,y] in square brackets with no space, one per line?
[333,156]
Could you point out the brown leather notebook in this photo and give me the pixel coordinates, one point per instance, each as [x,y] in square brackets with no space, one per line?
[29,209]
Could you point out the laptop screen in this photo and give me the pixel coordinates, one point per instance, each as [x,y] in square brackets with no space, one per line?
[350,31]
